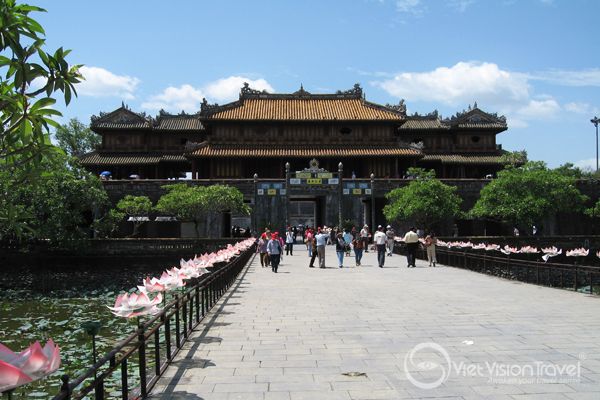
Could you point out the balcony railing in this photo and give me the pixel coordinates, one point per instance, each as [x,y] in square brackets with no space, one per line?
[558,275]
[155,344]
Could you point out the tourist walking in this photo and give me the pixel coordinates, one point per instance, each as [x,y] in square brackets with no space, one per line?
[390,233]
[412,242]
[347,239]
[261,249]
[289,242]
[364,236]
[380,241]
[358,249]
[321,238]
[309,241]
[340,248]
[313,246]
[430,243]
[274,249]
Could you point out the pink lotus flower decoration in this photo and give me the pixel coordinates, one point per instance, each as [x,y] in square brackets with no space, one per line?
[441,243]
[151,285]
[492,247]
[509,250]
[550,252]
[32,364]
[578,253]
[135,305]
[529,249]
[479,246]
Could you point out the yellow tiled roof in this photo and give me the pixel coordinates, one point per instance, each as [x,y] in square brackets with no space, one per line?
[107,159]
[324,150]
[458,159]
[303,110]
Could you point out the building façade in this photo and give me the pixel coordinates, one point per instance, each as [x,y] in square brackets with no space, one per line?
[342,152]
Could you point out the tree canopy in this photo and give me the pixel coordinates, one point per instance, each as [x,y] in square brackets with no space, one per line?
[138,208]
[425,200]
[75,138]
[25,106]
[59,208]
[524,196]
[196,204]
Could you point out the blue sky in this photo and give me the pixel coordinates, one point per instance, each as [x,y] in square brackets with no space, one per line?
[534,61]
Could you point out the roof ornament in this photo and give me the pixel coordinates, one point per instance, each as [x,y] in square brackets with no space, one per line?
[400,107]
[301,91]
[355,90]
[206,108]
[248,90]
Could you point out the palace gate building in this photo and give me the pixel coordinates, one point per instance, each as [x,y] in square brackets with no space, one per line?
[298,158]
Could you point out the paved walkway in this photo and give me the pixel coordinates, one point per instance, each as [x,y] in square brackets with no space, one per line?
[392,333]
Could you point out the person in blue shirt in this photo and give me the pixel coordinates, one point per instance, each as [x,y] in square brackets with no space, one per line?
[274,249]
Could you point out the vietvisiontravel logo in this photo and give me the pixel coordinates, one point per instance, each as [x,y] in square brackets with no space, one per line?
[428,365]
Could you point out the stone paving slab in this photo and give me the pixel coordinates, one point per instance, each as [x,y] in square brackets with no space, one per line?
[405,333]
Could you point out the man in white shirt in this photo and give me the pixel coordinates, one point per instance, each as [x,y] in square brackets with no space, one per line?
[412,243]
[380,240]
[390,233]
[321,238]
[289,242]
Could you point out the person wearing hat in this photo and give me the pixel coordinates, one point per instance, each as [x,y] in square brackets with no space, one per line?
[289,242]
[274,249]
[364,236]
[261,248]
[380,240]
[390,233]
[321,238]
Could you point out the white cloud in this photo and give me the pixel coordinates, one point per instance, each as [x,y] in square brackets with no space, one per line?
[188,99]
[581,108]
[461,5]
[586,77]
[542,110]
[409,6]
[463,83]
[589,164]
[228,89]
[517,123]
[102,83]
[176,99]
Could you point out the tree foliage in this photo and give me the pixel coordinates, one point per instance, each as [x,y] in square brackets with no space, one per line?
[108,224]
[425,200]
[138,208]
[56,207]
[75,138]
[25,106]
[524,196]
[201,203]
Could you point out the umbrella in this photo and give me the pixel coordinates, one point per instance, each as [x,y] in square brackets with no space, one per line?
[134,176]
[105,173]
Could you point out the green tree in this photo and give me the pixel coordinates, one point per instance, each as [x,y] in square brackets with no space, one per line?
[425,200]
[75,138]
[524,196]
[138,208]
[57,205]
[201,203]
[108,224]
[25,107]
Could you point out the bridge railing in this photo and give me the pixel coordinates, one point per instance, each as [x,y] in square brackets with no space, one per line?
[150,349]
[567,276]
